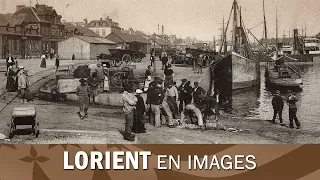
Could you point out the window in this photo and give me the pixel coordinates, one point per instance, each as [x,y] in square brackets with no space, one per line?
[103,32]
[97,31]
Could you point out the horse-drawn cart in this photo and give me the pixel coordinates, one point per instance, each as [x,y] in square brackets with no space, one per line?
[118,57]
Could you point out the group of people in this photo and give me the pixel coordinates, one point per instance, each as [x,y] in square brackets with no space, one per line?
[278,105]
[96,83]
[162,108]
[17,79]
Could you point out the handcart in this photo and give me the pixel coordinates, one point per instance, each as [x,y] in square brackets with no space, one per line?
[23,116]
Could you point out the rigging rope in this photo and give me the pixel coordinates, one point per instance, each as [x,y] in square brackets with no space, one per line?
[256,26]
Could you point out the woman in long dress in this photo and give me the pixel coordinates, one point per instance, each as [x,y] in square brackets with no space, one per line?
[10,86]
[43,62]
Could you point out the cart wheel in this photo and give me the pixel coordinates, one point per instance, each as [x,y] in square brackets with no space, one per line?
[136,57]
[116,79]
[126,59]
[63,98]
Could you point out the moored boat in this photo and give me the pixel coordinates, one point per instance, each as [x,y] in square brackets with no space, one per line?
[281,74]
[238,69]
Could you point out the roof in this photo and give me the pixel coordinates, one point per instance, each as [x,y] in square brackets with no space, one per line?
[95,40]
[103,23]
[83,30]
[129,38]
[141,33]
[160,42]
[30,14]
[11,20]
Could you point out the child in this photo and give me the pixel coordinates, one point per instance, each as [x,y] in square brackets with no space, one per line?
[82,93]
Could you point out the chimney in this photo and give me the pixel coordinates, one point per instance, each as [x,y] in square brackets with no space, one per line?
[131,30]
[101,19]
[18,7]
[85,21]
[162,29]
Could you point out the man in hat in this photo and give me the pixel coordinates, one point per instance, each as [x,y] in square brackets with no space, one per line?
[147,77]
[154,99]
[129,107]
[57,62]
[292,100]
[168,75]
[200,63]
[106,86]
[138,124]
[277,103]
[167,110]
[172,95]
[83,94]
[164,60]
[182,94]
[198,94]
[100,76]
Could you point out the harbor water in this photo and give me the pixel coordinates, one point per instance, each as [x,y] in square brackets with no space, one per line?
[256,103]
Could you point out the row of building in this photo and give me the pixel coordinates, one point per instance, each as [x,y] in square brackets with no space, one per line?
[32,31]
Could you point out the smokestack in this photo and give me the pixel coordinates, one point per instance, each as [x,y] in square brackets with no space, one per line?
[162,29]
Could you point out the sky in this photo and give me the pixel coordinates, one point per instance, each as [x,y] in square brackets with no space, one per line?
[197,18]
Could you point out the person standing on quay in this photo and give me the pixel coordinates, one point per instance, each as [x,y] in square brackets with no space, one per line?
[10,61]
[292,100]
[83,95]
[57,62]
[198,94]
[164,60]
[182,94]
[23,85]
[43,61]
[172,96]
[10,86]
[188,90]
[200,63]
[101,77]
[168,76]
[277,103]
[152,59]
[147,78]
[138,124]
[129,106]
[93,83]
[154,99]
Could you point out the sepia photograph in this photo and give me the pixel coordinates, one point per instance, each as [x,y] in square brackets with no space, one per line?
[159,72]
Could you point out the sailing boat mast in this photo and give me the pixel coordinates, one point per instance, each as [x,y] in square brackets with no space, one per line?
[235,25]
[265,25]
[277,43]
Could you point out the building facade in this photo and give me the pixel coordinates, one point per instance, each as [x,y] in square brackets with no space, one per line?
[103,27]
[130,41]
[31,32]
[84,48]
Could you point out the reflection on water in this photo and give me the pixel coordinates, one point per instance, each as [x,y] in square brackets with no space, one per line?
[256,103]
